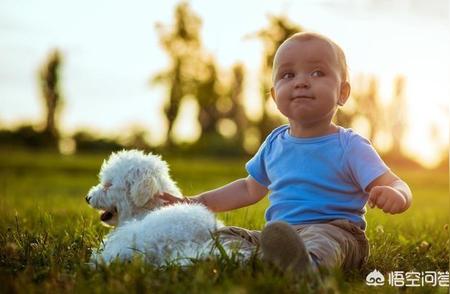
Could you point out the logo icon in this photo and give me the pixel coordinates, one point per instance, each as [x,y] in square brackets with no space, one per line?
[375,278]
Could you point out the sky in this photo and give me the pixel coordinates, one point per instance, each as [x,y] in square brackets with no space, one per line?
[111,51]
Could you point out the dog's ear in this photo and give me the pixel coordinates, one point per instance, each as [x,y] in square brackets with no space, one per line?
[143,191]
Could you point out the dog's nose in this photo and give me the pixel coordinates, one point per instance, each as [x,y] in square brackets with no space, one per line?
[88,198]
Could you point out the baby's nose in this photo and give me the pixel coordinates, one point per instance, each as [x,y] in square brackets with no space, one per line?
[301,82]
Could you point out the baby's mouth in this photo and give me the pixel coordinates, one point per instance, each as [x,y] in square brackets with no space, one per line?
[302,97]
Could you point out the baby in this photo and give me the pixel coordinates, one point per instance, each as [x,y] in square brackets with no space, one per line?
[320,175]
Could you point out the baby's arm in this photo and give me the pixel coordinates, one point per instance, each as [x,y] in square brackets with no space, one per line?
[389,193]
[237,194]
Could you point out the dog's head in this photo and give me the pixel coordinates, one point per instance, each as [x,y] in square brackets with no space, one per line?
[129,180]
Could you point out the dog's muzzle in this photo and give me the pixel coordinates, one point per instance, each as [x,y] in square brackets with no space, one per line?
[106,216]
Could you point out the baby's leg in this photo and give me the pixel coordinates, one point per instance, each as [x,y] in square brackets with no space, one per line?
[338,243]
[243,241]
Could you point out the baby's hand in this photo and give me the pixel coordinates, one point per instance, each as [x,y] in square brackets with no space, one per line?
[387,198]
[169,199]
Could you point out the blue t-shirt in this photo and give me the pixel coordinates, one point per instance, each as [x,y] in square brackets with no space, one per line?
[317,179]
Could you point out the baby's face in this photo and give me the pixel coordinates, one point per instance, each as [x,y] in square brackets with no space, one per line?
[308,82]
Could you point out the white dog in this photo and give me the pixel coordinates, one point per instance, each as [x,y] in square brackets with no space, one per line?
[129,181]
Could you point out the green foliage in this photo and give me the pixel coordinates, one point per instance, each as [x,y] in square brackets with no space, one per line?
[47,232]
[88,142]
[26,136]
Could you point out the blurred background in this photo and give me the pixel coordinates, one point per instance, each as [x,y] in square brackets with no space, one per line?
[193,77]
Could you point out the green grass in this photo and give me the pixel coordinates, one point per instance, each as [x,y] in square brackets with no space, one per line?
[47,232]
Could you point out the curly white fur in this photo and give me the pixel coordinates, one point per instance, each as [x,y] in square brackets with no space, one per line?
[129,180]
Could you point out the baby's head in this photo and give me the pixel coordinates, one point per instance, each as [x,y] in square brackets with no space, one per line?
[309,78]
[307,36]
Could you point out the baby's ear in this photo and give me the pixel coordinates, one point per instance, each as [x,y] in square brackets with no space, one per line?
[344,94]
[141,192]
[272,93]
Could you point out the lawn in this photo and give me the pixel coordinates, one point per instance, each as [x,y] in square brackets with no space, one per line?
[47,232]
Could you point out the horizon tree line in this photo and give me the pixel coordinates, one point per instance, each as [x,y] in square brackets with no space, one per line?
[193,73]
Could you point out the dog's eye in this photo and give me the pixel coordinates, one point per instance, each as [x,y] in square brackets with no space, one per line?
[106,186]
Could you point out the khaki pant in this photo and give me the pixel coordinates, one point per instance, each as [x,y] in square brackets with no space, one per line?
[338,243]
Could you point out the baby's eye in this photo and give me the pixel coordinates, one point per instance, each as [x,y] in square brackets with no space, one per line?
[317,73]
[287,75]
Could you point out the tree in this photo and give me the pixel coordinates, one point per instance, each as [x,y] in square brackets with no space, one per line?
[183,45]
[207,95]
[193,72]
[233,120]
[221,112]
[397,114]
[237,112]
[369,106]
[49,79]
